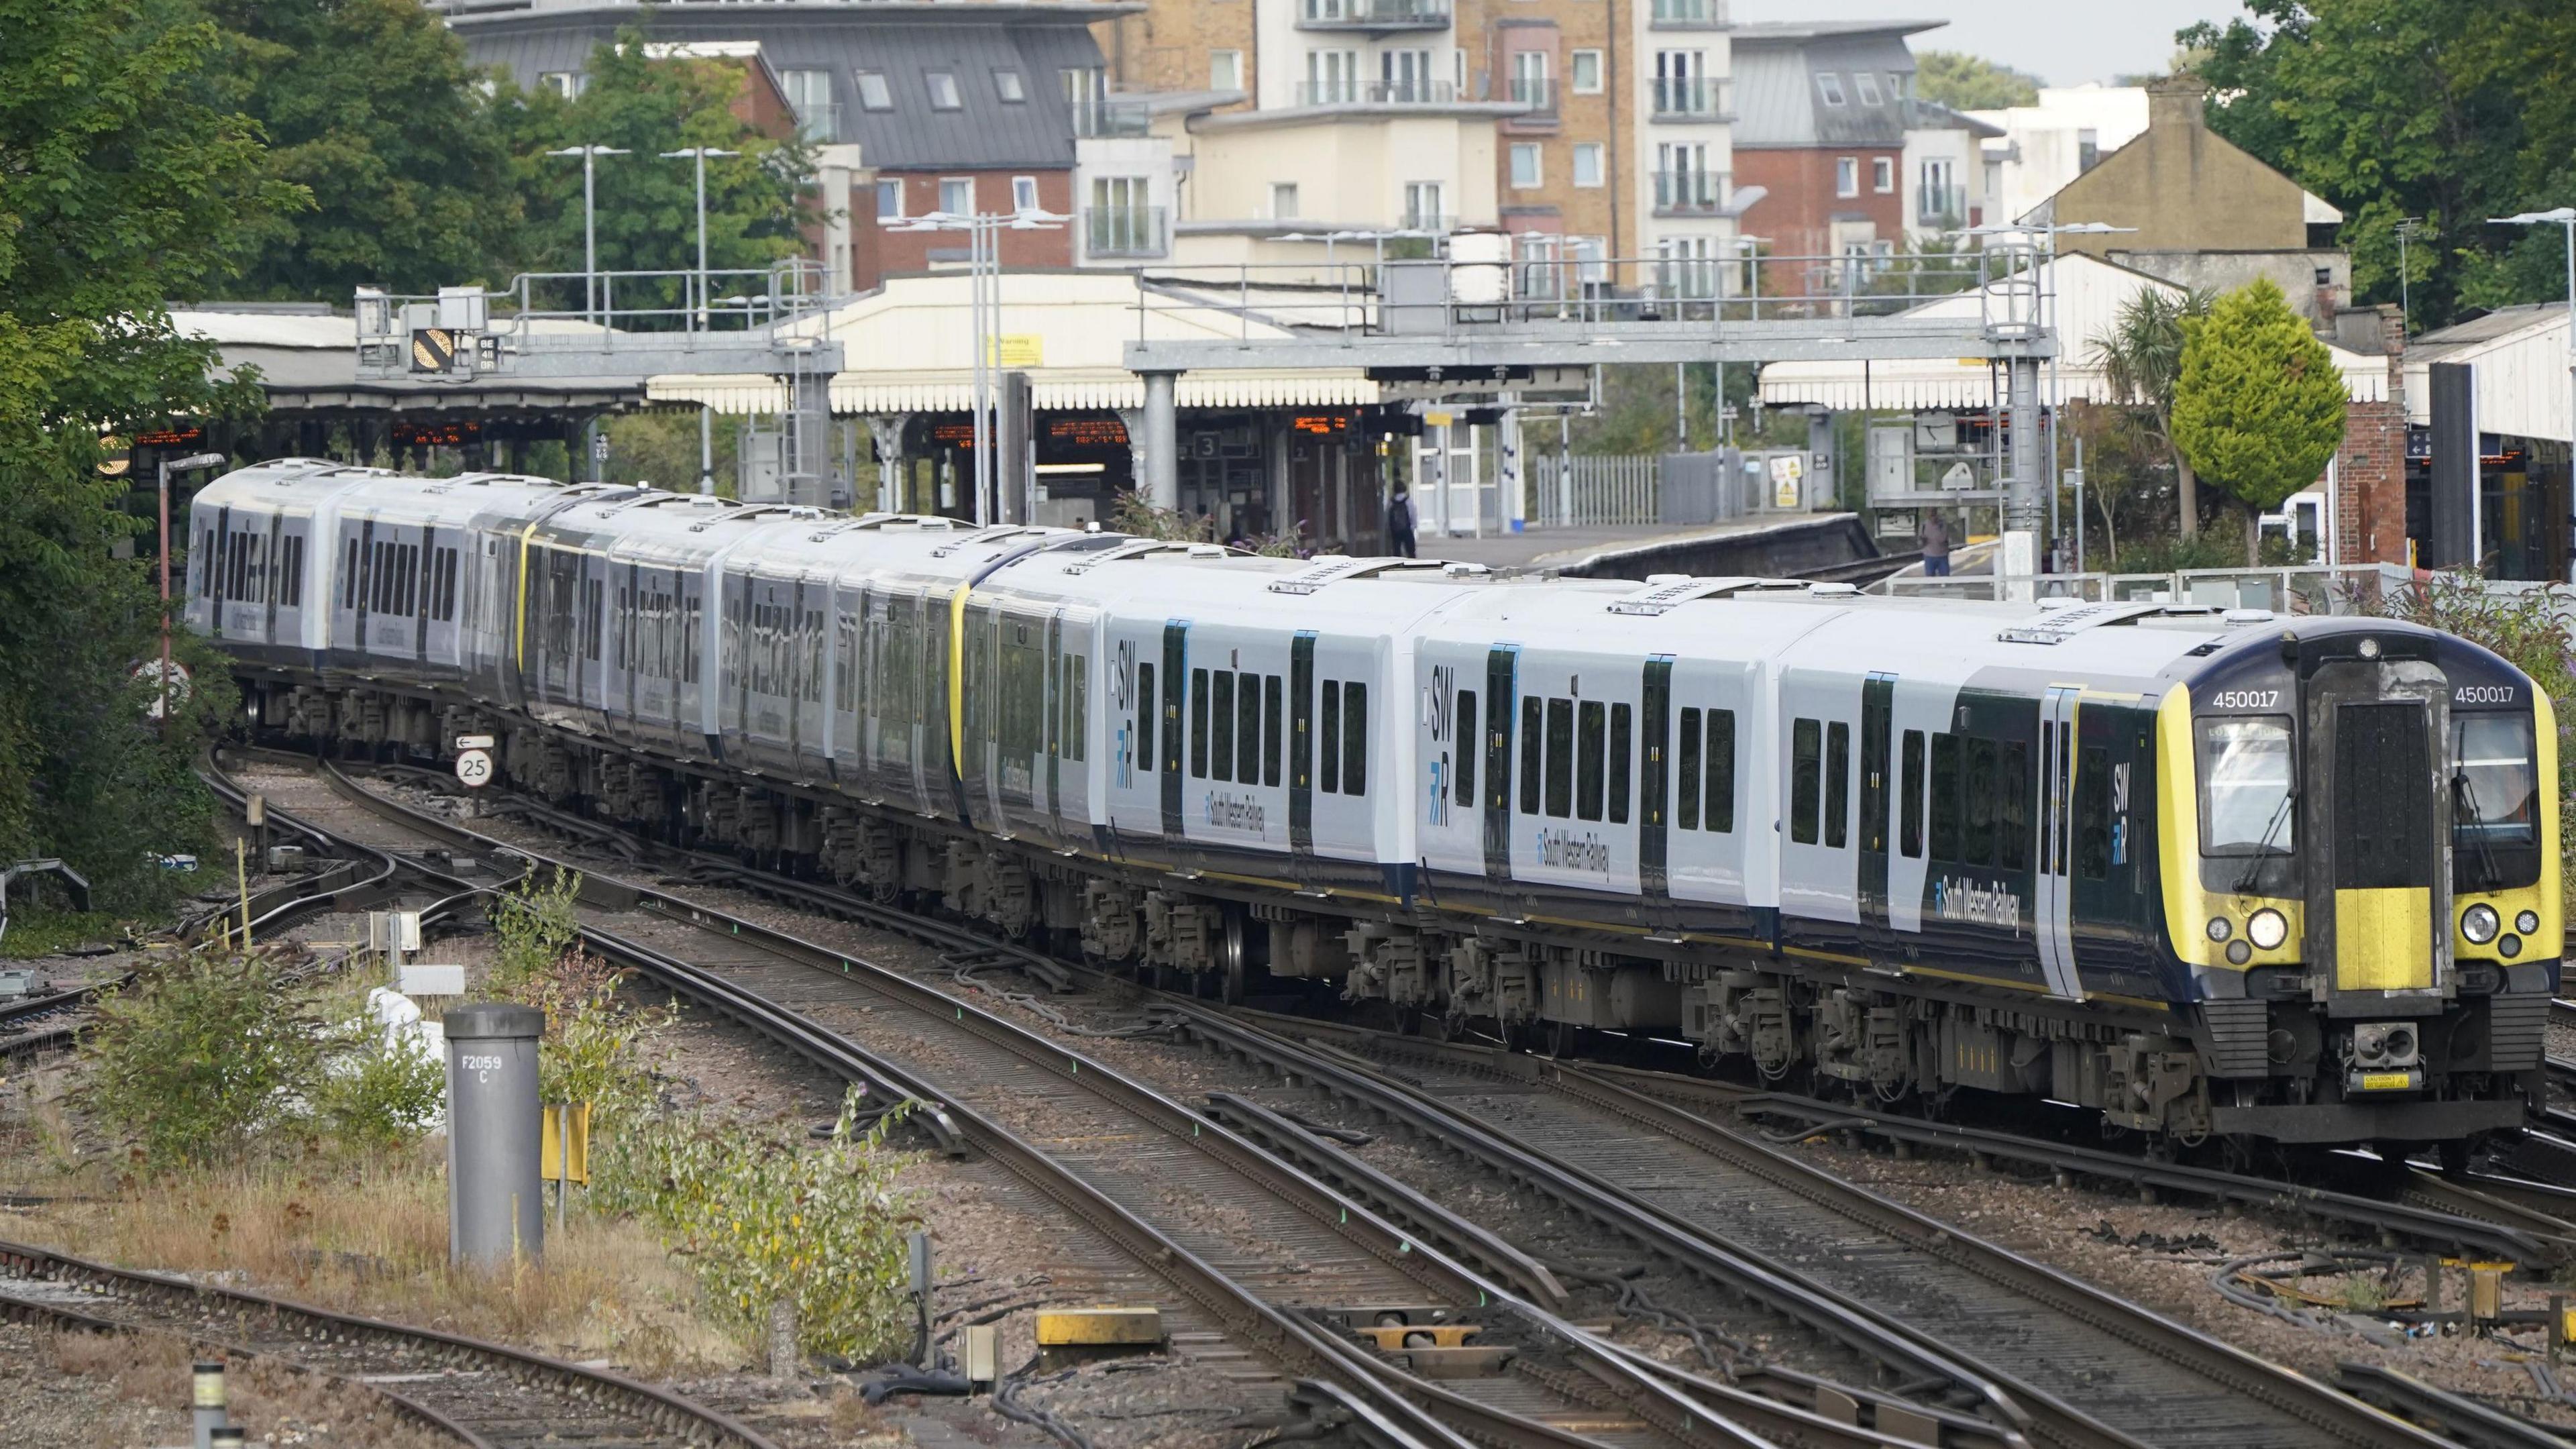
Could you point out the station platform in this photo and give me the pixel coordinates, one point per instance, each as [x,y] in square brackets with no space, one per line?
[1772,545]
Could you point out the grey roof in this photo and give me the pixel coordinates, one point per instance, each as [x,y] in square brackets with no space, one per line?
[1779,100]
[1934,116]
[904,42]
[2433,346]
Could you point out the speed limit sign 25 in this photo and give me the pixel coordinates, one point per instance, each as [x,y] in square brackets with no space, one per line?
[474,767]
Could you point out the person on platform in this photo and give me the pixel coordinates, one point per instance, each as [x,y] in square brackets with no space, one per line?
[1399,525]
[1936,546]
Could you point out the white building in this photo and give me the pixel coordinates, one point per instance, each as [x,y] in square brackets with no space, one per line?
[2042,147]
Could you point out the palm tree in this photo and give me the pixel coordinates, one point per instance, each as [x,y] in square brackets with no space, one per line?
[2141,360]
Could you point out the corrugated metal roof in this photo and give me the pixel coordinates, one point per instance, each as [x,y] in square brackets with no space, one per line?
[904,43]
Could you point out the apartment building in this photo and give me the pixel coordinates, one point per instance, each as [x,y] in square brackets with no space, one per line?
[1600,127]
[1825,111]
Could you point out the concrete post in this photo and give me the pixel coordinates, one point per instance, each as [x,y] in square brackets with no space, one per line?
[1162,440]
[495,1196]
[2025,477]
[206,1401]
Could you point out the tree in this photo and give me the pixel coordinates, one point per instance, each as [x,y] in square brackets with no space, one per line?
[371,106]
[646,206]
[1971,82]
[2259,406]
[2431,109]
[123,181]
[2141,360]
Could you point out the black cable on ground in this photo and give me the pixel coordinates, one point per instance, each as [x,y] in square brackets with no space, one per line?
[883,1382]
[1634,1302]
[1007,1403]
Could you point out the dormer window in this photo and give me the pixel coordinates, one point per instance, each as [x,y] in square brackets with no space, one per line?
[1865,85]
[943,90]
[1830,86]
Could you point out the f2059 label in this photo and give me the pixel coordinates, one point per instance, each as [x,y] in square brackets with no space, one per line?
[2246,699]
[2484,694]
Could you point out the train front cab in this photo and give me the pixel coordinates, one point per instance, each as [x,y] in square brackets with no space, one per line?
[2362,880]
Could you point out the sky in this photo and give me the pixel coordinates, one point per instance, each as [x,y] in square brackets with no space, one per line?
[2063,42]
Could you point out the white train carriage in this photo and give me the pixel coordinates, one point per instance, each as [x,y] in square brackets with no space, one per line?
[256,581]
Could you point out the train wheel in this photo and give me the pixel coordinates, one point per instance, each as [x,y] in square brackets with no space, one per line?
[1235,970]
[1562,1037]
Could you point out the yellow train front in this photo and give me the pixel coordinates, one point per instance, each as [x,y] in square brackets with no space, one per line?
[2359,855]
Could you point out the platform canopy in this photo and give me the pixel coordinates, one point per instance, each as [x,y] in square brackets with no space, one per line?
[2089,294]
[910,348]
[2518,358]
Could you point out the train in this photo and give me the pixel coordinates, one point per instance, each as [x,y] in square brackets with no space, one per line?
[2210,873]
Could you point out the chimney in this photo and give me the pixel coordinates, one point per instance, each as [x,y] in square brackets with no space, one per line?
[2176,100]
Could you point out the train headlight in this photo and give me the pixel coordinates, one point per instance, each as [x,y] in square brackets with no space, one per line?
[2238,953]
[2527,922]
[2509,947]
[2479,923]
[2267,929]
[2220,929]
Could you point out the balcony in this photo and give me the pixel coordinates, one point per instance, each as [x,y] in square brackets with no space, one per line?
[1538,93]
[1380,16]
[1376,93]
[1101,117]
[1690,193]
[1690,99]
[1124,231]
[1687,15]
[818,123]
[1941,205]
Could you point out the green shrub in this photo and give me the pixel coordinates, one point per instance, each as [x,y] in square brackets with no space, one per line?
[201,1057]
[533,926]
[762,1217]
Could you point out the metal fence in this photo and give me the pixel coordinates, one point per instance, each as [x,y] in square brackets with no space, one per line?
[2321,589]
[1594,490]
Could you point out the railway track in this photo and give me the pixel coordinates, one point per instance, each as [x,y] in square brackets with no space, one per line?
[481,1394]
[1281,1261]
[2140,1379]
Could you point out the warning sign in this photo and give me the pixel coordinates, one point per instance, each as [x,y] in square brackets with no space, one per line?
[433,349]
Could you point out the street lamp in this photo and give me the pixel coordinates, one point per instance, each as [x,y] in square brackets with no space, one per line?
[2559,216]
[984,303]
[589,229]
[169,466]
[698,313]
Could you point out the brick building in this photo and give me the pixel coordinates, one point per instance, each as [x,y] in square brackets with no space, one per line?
[1823,111]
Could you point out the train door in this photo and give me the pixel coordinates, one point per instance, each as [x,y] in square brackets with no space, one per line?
[2052,900]
[1176,679]
[1654,722]
[1301,743]
[1877,706]
[1502,686]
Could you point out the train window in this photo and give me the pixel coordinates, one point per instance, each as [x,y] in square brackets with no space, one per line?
[2494,801]
[2245,789]
[691,640]
[2012,821]
[411,590]
[594,597]
[1533,737]
[1837,784]
[1978,846]
[1945,796]
[1077,704]
[348,576]
[1146,709]
[1806,779]
[444,608]
[1355,738]
[1273,714]
[1198,724]
[1687,815]
[813,657]
[845,662]
[1720,815]
[1619,748]
[1462,725]
[1023,694]
[1221,751]
[1591,742]
[2093,813]
[1560,758]
[1909,812]
[1247,730]
[1330,747]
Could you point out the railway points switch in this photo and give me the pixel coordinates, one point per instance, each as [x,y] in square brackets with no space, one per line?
[1106,1327]
[1429,1335]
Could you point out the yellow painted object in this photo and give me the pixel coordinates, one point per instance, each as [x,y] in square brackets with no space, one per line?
[1096,1327]
[1394,1336]
[2384,939]
[552,1166]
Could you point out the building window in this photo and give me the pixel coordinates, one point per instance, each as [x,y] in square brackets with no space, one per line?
[890,199]
[873,92]
[1525,164]
[1847,176]
[1865,86]
[1024,193]
[1587,163]
[1009,84]
[1896,87]
[1882,174]
[1283,200]
[957,195]
[809,93]
[1830,86]
[1531,84]
[1583,72]
[568,84]
[1332,78]
[1405,75]
[1225,70]
[943,90]
[1422,208]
